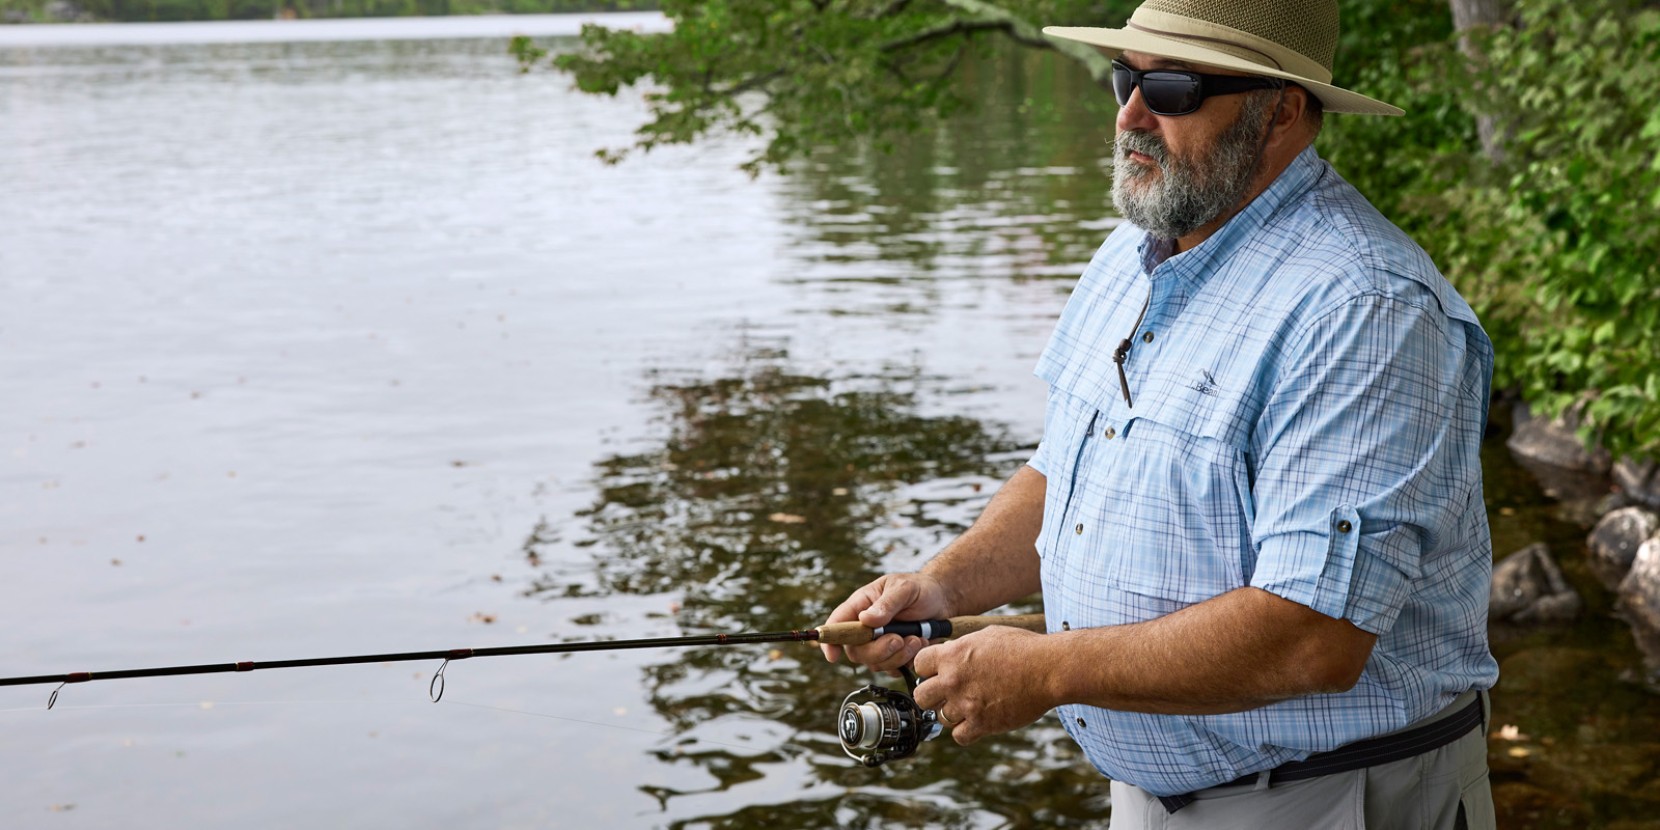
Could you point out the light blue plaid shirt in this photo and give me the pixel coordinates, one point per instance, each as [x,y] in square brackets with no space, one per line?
[1309,400]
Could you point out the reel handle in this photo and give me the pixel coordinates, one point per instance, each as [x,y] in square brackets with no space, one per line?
[854,633]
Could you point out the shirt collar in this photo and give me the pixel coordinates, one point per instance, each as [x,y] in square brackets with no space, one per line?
[1194,264]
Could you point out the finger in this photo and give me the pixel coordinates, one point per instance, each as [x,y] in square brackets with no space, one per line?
[848,611]
[927,661]
[875,652]
[889,652]
[893,598]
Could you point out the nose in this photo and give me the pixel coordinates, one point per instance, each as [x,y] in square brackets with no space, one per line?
[1134,115]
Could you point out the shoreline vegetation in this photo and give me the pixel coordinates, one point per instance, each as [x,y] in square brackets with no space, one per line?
[178,11]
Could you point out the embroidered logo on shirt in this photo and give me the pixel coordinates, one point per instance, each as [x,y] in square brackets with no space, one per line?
[1206,386]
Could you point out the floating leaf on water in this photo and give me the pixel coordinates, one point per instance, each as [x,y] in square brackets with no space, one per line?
[787,518]
[775,654]
[1520,752]
[1510,732]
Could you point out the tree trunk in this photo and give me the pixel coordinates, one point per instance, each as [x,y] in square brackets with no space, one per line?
[1469,15]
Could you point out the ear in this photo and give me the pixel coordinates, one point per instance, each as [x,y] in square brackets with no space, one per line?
[1289,132]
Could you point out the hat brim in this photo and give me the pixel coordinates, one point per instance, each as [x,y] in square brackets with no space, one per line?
[1117,41]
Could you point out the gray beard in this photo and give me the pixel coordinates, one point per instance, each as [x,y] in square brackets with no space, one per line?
[1184,195]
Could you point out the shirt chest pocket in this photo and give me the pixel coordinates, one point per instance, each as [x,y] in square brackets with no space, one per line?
[1171,500]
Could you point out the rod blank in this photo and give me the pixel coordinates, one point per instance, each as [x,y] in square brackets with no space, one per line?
[851,633]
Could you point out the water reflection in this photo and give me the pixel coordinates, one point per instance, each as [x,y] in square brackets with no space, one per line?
[772,494]
[1016,189]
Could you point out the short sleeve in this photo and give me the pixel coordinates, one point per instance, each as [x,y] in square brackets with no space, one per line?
[1038,461]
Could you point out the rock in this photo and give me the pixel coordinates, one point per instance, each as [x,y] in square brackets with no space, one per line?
[1552,442]
[1586,512]
[1640,596]
[1613,543]
[1529,588]
[1640,480]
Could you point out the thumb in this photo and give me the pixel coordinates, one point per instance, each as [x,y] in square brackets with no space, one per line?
[879,613]
[888,605]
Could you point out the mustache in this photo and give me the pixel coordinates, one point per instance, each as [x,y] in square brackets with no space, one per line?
[1145,143]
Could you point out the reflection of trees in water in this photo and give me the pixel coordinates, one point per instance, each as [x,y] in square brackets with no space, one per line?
[769,501]
[1018,188]
[761,502]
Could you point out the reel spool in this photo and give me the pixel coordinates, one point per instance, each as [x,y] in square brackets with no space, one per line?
[878,724]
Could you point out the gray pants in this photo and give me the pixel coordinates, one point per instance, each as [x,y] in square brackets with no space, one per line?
[1443,789]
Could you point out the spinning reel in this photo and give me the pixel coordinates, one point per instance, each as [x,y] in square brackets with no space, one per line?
[878,724]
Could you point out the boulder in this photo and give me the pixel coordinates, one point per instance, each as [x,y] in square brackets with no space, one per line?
[1640,480]
[1551,441]
[1613,543]
[1528,588]
[1640,595]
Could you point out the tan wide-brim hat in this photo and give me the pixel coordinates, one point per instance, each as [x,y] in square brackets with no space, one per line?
[1290,39]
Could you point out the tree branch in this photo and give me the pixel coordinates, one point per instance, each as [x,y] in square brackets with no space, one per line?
[1025,32]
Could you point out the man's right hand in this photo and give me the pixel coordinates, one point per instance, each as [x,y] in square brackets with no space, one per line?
[904,597]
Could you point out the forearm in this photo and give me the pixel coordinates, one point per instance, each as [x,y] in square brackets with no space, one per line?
[1242,650]
[995,561]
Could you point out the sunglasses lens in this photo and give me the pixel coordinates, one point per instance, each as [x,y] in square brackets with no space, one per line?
[1169,93]
[1122,83]
[1164,93]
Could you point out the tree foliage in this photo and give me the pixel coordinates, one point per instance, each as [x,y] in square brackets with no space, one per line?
[1550,239]
[1556,241]
[806,73]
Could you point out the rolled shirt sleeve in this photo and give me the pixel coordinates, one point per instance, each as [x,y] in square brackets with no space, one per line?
[1360,466]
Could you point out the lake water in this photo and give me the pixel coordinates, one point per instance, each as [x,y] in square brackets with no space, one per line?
[335,338]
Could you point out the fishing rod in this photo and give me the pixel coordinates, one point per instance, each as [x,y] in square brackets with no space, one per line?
[876,724]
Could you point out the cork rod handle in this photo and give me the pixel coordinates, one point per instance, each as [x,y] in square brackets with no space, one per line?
[853,633]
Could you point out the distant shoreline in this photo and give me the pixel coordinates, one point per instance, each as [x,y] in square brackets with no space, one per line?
[84,12]
[60,35]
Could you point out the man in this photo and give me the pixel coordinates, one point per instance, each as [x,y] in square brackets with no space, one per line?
[1256,515]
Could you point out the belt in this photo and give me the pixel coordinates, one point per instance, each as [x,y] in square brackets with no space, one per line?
[1383,749]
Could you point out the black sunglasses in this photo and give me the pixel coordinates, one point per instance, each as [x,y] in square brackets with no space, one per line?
[1177,91]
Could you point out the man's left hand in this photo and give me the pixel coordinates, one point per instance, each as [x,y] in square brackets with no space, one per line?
[986,683]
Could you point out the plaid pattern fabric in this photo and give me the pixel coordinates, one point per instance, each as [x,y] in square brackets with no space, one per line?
[1309,400]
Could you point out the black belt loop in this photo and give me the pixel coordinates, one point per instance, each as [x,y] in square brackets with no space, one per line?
[1370,752]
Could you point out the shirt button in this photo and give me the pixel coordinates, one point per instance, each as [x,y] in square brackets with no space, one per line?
[1147,338]
[1109,433]
[1066,626]
[1343,526]
[1079,529]
[1081,724]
